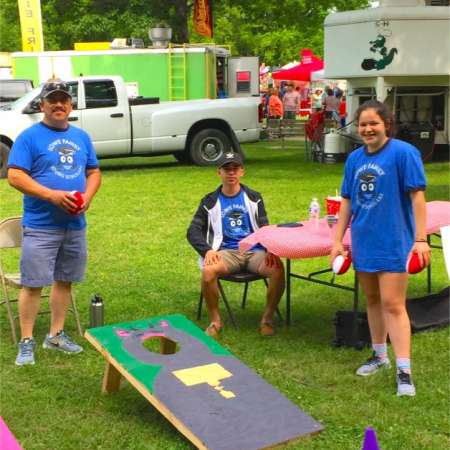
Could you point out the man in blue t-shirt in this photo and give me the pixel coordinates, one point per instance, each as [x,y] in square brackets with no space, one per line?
[49,162]
[223,219]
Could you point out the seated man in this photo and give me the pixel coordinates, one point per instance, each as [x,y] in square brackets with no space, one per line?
[223,219]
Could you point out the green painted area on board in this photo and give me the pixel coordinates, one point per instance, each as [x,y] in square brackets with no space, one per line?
[146,374]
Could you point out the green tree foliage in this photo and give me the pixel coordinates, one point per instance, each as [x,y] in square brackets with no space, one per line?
[10,38]
[276,31]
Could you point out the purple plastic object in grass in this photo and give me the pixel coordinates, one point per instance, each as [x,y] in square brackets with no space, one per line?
[370,440]
[7,439]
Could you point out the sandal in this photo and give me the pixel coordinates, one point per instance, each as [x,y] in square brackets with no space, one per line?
[213,330]
[266,329]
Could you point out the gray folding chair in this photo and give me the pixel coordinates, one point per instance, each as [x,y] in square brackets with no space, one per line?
[11,237]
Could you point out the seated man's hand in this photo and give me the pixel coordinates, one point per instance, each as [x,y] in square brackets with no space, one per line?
[272,260]
[212,257]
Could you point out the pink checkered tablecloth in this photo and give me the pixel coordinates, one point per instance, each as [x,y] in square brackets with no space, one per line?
[308,241]
[316,239]
[438,215]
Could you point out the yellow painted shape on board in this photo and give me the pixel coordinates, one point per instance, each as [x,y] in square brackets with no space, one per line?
[211,374]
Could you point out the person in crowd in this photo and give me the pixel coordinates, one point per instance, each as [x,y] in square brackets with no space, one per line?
[325,93]
[265,102]
[291,102]
[331,105]
[225,217]
[282,89]
[342,111]
[317,100]
[275,105]
[383,196]
[49,161]
[337,92]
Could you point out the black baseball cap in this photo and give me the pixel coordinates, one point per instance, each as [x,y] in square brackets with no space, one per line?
[230,157]
[53,86]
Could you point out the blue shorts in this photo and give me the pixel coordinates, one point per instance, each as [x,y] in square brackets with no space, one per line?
[52,255]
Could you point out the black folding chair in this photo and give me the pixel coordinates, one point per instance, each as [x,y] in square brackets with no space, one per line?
[242,277]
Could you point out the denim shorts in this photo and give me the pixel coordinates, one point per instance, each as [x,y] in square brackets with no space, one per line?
[52,255]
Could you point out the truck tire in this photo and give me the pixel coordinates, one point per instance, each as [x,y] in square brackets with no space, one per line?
[4,153]
[208,146]
[182,157]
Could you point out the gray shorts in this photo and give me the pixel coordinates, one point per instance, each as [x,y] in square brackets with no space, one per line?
[52,255]
[247,262]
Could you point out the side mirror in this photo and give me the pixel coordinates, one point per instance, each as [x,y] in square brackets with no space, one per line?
[33,107]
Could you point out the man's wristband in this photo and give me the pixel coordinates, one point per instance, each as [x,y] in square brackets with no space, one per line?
[421,240]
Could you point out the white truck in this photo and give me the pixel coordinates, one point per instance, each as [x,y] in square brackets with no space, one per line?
[197,131]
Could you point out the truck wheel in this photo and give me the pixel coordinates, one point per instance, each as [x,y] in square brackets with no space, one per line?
[4,152]
[208,146]
[182,157]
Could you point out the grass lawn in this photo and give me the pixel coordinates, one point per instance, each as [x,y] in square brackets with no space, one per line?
[142,265]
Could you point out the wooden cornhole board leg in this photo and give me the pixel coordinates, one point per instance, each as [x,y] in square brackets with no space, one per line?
[211,397]
[111,379]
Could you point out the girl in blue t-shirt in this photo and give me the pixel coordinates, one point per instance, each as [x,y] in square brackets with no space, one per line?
[383,195]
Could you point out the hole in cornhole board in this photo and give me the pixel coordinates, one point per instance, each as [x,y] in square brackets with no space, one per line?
[162,345]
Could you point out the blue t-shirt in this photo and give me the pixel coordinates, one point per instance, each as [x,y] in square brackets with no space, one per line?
[378,186]
[236,223]
[56,159]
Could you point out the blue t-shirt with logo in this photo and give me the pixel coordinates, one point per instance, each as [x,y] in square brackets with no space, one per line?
[56,159]
[236,223]
[379,187]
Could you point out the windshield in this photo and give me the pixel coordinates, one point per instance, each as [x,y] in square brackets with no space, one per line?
[21,102]
[10,89]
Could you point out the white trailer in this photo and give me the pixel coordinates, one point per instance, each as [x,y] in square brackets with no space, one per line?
[398,53]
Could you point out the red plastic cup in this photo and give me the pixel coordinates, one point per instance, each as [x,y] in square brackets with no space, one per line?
[333,205]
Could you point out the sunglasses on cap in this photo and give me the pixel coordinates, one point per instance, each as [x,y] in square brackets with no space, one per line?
[55,86]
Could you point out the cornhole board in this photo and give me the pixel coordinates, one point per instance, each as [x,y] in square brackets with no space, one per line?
[210,396]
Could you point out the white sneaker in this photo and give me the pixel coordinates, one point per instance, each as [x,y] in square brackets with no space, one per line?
[405,386]
[61,342]
[373,365]
[26,352]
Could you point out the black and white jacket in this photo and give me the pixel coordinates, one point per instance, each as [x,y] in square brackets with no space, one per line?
[205,231]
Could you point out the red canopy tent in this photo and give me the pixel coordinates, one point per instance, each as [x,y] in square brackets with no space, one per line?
[301,72]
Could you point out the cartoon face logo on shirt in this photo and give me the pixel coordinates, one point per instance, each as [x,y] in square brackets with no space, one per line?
[66,165]
[367,190]
[236,224]
[367,184]
[66,159]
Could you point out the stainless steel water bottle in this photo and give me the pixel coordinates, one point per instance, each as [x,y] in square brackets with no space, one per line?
[96,312]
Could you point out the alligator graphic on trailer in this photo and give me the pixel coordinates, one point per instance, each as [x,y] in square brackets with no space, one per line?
[378,47]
